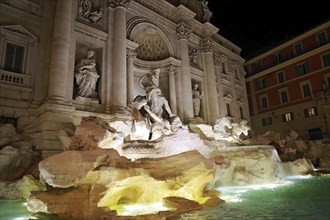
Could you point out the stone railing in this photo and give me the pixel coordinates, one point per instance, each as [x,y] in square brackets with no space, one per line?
[17,79]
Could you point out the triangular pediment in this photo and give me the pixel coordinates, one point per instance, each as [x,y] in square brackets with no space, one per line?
[228,97]
[240,101]
[19,30]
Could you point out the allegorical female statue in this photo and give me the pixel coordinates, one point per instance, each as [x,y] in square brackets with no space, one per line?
[196,100]
[86,76]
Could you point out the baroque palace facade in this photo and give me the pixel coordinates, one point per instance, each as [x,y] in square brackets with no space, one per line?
[49,47]
[288,86]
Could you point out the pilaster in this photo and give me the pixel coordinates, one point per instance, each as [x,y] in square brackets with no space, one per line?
[183,34]
[119,67]
[171,74]
[209,72]
[60,52]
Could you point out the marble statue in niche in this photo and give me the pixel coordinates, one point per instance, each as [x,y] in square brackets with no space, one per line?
[193,56]
[197,96]
[91,11]
[86,77]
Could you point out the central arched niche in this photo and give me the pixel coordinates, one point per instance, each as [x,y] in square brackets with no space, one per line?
[154,45]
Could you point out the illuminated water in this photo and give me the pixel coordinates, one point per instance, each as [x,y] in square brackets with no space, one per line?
[299,198]
[302,199]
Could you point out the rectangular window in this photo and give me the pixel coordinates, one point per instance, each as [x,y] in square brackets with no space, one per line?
[322,38]
[315,134]
[310,112]
[258,66]
[241,112]
[284,96]
[328,82]
[302,69]
[14,58]
[306,90]
[261,84]
[267,121]
[298,49]
[223,65]
[277,58]
[280,77]
[264,102]
[228,109]
[236,74]
[326,60]
[287,117]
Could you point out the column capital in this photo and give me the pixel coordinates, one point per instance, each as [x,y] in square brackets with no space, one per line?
[172,70]
[118,3]
[182,31]
[207,45]
[130,54]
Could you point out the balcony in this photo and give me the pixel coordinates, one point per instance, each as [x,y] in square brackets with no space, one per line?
[16,79]
[323,95]
[15,85]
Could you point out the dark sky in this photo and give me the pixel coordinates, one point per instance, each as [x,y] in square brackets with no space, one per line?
[256,24]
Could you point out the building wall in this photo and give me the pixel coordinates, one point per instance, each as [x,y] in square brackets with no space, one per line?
[56,35]
[315,74]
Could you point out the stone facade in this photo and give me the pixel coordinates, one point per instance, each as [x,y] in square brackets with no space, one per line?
[43,41]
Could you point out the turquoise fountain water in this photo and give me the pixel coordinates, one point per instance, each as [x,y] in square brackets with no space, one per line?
[303,198]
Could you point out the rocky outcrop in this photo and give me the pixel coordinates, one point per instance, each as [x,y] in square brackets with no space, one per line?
[17,155]
[21,188]
[246,165]
[298,167]
[97,182]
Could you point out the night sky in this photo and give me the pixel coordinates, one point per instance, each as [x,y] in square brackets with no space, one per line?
[255,24]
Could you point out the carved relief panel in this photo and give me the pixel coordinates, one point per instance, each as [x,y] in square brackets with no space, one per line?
[91,12]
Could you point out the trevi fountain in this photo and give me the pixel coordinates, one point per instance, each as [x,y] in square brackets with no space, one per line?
[122,112]
[151,166]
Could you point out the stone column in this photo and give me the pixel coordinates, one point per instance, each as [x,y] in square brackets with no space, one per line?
[187,104]
[60,52]
[171,79]
[209,73]
[119,74]
[130,75]
[221,103]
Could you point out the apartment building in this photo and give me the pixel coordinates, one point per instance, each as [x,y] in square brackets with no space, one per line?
[288,86]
